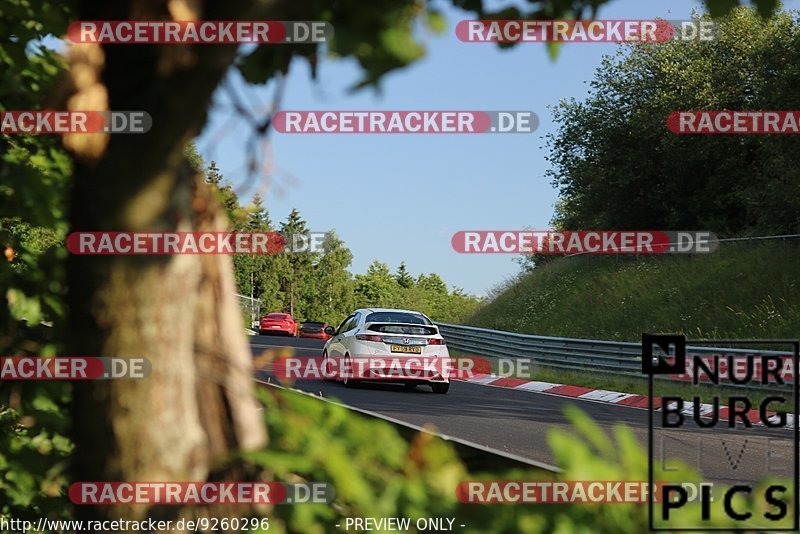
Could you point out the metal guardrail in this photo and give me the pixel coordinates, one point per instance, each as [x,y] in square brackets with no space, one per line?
[585,355]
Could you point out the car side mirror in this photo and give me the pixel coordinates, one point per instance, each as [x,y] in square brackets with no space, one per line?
[330,330]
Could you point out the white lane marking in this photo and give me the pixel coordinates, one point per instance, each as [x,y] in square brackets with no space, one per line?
[705,409]
[538,386]
[606,395]
[488,379]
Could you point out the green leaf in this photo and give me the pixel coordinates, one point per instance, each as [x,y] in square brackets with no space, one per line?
[436,21]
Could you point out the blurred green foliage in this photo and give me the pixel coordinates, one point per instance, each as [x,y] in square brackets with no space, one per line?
[376,473]
[585,452]
[34,177]
[34,457]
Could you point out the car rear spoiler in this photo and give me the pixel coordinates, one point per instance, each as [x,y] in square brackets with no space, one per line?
[432,330]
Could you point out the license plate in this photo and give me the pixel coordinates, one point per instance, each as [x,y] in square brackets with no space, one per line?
[274,326]
[406,349]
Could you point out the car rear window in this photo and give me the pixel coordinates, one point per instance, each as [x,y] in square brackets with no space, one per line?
[314,325]
[403,329]
[397,317]
[279,316]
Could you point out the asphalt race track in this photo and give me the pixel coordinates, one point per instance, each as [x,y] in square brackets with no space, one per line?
[517,422]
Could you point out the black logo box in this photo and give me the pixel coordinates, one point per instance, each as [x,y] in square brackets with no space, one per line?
[652,366]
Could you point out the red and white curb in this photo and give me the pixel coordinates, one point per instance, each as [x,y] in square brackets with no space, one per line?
[631,400]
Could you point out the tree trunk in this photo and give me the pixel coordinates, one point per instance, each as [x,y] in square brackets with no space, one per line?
[179,312]
[291,298]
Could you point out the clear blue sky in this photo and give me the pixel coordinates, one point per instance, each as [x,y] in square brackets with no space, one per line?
[401,197]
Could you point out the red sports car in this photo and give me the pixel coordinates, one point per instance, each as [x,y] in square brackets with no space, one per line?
[314,329]
[278,323]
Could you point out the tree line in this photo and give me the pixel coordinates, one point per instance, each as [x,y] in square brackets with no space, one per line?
[617,166]
[318,286]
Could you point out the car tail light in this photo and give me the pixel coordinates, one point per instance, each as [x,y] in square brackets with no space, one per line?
[368,337]
[436,342]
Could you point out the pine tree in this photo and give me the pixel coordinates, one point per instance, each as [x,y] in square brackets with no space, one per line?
[403,278]
[297,273]
[226,195]
[257,216]
[257,275]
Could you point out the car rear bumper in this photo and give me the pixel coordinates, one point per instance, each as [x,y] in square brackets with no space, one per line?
[395,370]
[315,335]
[275,329]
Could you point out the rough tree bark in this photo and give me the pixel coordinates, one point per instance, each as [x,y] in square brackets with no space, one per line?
[179,312]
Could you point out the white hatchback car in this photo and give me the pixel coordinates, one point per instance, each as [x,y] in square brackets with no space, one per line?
[380,344]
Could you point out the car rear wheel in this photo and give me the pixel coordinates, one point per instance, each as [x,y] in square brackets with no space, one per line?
[440,387]
[347,369]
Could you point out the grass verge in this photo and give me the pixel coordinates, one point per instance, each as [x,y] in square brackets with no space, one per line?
[741,291]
